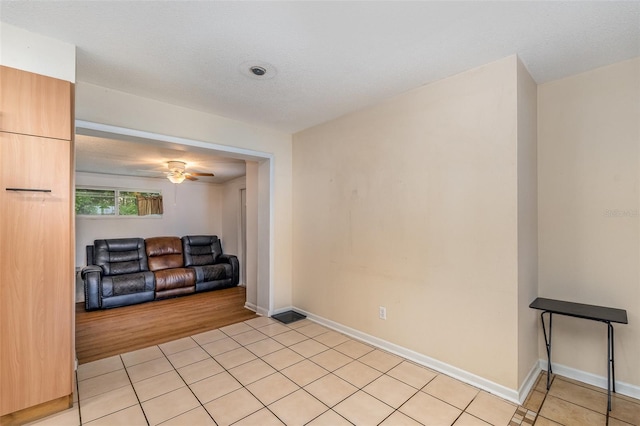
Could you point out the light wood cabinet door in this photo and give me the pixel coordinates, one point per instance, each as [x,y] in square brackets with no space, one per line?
[36,273]
[33,104]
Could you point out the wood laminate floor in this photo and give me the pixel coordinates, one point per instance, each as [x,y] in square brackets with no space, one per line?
[104,333]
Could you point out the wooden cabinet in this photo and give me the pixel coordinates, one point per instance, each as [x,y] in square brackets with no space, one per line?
[32,104]
[36,254]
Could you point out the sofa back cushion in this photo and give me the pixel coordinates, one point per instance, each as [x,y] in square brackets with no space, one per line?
[201,249]
[164,253]
[120,256]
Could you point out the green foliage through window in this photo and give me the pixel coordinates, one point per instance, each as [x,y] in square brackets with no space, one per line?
[127,203]
[95,202]
[114,202]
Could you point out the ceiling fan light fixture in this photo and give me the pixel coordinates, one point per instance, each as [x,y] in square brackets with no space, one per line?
[176,177]
[176,166]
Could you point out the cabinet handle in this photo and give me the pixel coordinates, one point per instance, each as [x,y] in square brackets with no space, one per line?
[27,190]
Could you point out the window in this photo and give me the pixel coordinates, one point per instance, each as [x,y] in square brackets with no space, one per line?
[115,202]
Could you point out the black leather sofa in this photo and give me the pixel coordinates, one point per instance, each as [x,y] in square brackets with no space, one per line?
[118,271]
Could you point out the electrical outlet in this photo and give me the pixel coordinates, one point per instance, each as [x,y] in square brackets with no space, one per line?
[382,312]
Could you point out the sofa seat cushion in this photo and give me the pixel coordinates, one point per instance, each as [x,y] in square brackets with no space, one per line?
[119,285]
[169,279]
[212,272]
[174,292]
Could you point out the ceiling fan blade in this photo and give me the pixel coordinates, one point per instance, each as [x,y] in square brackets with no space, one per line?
[189,177]
[201,174]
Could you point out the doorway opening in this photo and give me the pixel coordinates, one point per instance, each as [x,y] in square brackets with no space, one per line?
[256,226]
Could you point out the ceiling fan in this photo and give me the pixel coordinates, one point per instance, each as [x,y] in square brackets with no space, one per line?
[177,172]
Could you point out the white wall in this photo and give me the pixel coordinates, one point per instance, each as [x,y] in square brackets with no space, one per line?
[589,213]
[190,208]
[32,52]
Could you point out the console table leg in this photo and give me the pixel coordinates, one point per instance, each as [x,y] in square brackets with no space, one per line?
[613,363]
[611,372]
[547,342]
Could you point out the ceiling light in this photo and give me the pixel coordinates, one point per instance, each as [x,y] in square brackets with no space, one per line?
[176,177]
[176,166]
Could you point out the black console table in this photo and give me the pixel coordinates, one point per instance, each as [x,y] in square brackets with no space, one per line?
[590,312]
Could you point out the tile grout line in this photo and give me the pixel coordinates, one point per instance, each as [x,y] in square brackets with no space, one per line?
[102,393]
[279,399]
[299,387]
[242,385]
[319,378]
[227,371]
[185,383]
[302,388]
[78,390]
[134,390]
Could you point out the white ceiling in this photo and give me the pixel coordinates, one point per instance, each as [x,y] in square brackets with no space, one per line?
[325,58]
[99,152]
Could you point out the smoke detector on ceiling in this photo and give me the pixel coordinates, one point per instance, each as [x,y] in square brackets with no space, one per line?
[258,70]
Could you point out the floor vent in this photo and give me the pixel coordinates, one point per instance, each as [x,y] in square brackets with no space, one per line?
[288,317]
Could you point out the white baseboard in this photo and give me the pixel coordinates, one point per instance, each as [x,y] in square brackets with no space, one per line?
[529,382]
[591,379]
[457,373]
[258,310]
[262,312]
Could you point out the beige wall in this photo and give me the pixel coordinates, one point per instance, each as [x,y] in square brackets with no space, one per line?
[105,106]
[413,205]
[589,221]
[527,223]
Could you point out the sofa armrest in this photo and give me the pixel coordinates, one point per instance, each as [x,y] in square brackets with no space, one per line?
[92,277]
[235,266]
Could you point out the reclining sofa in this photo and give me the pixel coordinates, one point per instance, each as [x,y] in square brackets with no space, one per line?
[126,271]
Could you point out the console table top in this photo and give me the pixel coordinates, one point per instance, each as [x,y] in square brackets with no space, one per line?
[580,310]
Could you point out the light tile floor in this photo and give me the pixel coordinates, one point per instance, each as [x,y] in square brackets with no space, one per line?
[569,402]
[263,373]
